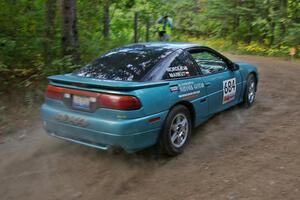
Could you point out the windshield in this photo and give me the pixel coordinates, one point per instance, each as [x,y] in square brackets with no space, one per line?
[126,64]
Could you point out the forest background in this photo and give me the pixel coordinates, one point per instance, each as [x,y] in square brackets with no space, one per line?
[43,37]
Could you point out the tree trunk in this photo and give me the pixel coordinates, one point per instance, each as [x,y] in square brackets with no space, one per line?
[106,5]
[250,19]
[196,8]
[236,22]
[135,27]
[147,29]
[50,8]
[283,11]
[70,43]
[272,33]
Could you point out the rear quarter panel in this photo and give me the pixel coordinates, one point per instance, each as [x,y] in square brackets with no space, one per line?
[190,92]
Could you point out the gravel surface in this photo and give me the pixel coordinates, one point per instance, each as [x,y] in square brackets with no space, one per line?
[238,154]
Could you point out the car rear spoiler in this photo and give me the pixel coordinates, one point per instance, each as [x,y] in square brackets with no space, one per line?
[71,81]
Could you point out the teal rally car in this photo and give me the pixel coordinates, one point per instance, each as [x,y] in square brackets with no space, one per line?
[144,94]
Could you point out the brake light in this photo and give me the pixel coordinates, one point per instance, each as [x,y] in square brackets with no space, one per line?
[119,102]
[112,101]
[54,92]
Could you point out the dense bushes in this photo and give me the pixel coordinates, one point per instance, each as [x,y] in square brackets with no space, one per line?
[264,27]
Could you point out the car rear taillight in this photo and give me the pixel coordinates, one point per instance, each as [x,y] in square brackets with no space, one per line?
[103,100]
[119,102]
[54,92]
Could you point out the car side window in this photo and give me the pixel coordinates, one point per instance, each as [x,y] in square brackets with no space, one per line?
[181,67]
[208,62]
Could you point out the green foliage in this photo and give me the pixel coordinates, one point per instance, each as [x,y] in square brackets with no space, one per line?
[59,66]
[293,36]
[266,27]
[254,48]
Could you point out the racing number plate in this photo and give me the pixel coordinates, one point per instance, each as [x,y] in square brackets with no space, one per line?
[229,89]
[81,102]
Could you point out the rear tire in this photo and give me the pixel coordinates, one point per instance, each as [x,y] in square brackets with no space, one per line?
[176,131]
[250,91]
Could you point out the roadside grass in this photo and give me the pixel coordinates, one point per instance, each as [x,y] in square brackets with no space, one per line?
[254,48]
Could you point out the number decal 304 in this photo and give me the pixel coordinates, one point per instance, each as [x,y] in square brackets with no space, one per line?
[229,90]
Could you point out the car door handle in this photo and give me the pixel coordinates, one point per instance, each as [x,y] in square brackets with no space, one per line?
[202,100]
[207,84]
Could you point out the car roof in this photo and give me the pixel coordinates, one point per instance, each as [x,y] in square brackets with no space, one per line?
[165,45]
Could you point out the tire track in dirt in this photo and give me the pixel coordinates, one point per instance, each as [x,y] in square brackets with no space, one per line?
[238,154]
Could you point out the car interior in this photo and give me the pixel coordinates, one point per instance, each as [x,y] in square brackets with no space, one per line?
[208,62]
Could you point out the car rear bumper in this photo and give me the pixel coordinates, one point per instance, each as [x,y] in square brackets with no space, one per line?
[144,133]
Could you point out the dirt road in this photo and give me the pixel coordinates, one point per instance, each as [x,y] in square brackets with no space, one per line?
[238,154]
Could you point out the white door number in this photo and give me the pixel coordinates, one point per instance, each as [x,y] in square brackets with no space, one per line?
[229,89]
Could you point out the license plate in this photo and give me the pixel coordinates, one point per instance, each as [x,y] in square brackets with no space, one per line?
[81,102]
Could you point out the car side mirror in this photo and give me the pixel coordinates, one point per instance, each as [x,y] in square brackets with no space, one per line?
[234,67]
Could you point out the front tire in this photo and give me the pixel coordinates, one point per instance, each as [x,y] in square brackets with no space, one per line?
[176,131]
[250,92]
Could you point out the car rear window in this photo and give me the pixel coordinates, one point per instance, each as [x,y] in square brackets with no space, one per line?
[126,64]
[181,67]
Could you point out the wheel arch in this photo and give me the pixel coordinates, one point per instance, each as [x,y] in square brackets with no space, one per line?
[190,107]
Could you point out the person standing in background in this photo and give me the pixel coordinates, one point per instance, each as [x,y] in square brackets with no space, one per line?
[165,25]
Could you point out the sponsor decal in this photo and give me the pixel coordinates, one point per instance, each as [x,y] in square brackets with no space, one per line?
[186,87]
[190,86]
[179,74]
[177,69]
[229,90]
[189,94]
[174,88]
[190,89]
